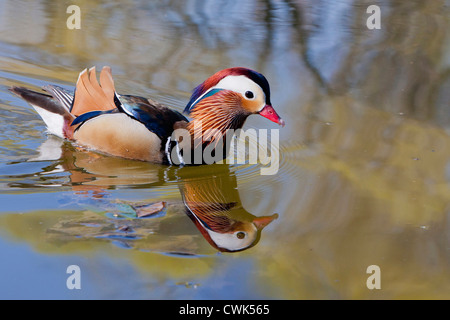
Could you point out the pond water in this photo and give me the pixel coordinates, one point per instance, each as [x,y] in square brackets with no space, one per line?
[364,159]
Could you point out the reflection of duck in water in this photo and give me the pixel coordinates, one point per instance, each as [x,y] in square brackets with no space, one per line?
[214,205]
[209,193]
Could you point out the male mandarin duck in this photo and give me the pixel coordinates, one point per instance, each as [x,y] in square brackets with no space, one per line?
[133,127]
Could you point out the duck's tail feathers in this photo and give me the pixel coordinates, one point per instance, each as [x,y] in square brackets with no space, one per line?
[62,95]
[53,109]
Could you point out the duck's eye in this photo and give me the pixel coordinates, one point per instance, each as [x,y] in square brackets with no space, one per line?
[249,95]
[240,235]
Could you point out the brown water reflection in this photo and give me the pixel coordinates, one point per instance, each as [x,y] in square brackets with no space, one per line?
[364,163]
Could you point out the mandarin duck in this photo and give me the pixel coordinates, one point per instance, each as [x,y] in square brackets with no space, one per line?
[96,117]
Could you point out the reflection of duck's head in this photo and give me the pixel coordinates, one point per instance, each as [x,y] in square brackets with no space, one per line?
[213,204]
[232,235]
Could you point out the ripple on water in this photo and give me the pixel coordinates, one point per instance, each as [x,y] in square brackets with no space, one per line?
[280,166]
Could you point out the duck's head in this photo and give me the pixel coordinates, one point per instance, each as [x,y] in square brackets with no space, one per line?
[228,97]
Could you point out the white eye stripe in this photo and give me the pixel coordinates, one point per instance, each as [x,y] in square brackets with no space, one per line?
[241,84]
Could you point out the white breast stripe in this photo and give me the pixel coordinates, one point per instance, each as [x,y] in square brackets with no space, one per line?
[167,150]
[180,158]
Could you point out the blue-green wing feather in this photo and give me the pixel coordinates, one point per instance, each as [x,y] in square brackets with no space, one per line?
[156,118]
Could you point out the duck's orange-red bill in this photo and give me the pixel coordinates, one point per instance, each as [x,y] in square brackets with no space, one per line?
[261,222]
[269,112]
